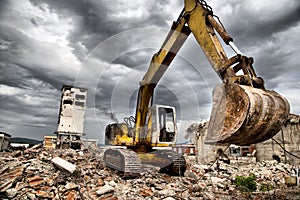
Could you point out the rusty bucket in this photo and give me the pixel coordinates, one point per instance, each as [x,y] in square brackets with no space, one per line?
[244,115]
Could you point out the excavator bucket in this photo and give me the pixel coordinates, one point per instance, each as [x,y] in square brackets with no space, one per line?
[244,115]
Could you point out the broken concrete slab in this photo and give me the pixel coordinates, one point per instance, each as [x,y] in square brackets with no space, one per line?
[63,164]
[104,190]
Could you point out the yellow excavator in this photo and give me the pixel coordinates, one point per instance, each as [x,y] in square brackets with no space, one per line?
[243,111]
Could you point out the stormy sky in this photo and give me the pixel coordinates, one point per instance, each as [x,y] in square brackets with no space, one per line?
[106,47]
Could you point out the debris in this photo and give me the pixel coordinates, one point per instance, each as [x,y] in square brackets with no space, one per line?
[104,190]
[9,178]
[169,198]
[290,180]
[61,163]
[82,175]
[11,193]
[36,180]
[208,195]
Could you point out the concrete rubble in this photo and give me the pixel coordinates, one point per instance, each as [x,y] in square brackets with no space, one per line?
[68,174]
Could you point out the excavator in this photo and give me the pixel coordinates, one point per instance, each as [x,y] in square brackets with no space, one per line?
[243,111]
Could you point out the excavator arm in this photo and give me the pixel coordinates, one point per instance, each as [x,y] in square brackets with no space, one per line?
[243,111]
[201,21]
[159,64]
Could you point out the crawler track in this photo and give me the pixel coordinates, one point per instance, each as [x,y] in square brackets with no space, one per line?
[125,161]
[174,164]
[128,162]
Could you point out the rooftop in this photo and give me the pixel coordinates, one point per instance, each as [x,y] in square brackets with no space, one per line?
[6,134]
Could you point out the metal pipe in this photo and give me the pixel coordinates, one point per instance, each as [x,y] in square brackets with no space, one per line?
[234,48]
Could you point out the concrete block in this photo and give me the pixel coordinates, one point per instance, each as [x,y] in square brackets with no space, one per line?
[63,164]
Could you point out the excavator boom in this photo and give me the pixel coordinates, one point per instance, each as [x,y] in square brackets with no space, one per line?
[158,66]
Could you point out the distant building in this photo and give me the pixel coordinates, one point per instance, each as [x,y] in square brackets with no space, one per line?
[50,142]
[71,117]
[4,140]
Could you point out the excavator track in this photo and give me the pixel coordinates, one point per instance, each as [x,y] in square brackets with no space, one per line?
[125,161]
[168,161]
[177,166]
[129,163]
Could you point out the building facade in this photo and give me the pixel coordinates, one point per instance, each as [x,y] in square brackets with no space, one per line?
[71,117]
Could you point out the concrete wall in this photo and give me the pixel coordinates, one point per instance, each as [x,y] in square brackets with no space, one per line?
[206,153]
[90,143]
[289,137]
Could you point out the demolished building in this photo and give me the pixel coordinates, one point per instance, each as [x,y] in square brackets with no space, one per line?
[4,140]
[288,138]
[71,117]
[285,145]
[49,142]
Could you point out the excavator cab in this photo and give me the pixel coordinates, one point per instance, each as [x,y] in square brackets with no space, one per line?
[163,125]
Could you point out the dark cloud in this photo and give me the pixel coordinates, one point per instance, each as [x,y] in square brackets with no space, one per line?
[95,21]
[3,4]
[107,46]
[33,21]
[26,58]
[250,25]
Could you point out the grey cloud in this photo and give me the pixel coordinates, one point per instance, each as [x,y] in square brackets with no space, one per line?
[114,61]
[31,57]
[33,21]
[93,21]
[31,107]
[3,5]
[250,27]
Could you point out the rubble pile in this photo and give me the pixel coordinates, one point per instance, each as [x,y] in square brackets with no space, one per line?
[37,173]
